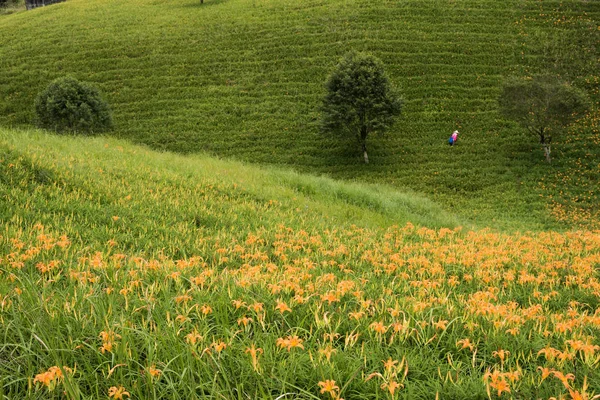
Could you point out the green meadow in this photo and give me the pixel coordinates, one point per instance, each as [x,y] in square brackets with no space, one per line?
[244,79]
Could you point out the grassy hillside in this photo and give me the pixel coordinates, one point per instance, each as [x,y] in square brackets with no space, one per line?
[131,274]
[244,79]
[98,190]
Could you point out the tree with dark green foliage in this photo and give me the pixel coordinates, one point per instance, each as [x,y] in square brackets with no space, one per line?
[68,105]
[543,105]
[360,99]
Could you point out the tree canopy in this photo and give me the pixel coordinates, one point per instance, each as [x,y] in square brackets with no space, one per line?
[360,99]
[68,105]
[543,105]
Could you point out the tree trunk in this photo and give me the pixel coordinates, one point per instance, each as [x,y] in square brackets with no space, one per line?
[364,132]
[547,149]
[546,145]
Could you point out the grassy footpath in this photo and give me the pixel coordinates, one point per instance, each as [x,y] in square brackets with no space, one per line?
[127,273]
[244,79]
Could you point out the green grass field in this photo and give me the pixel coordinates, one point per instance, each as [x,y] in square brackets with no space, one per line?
[244,79]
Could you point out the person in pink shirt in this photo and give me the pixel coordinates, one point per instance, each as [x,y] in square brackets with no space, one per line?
[453,138]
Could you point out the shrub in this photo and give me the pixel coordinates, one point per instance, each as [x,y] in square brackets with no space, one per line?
[68,105]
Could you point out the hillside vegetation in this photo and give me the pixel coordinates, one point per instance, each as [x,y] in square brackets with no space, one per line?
[244,79]
[131,274]
[99,190]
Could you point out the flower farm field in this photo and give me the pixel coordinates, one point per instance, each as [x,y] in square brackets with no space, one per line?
[126,273]
[141,266]
[244,79]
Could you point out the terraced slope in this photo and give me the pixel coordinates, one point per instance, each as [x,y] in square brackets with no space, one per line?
[244,79]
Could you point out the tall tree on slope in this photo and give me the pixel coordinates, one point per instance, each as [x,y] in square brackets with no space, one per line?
[543,105]
[360,99]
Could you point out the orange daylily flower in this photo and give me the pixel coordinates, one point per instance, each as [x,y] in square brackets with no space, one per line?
[154,372]
[282,307]
[465,344]
[327,351]
[379,327]
[254,352]
[389,364]
[329,386]
[391,386]
[290,342]
[117,393]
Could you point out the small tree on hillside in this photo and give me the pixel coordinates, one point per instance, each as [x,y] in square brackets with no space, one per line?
[68,105]
[360,99]
[543,105]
